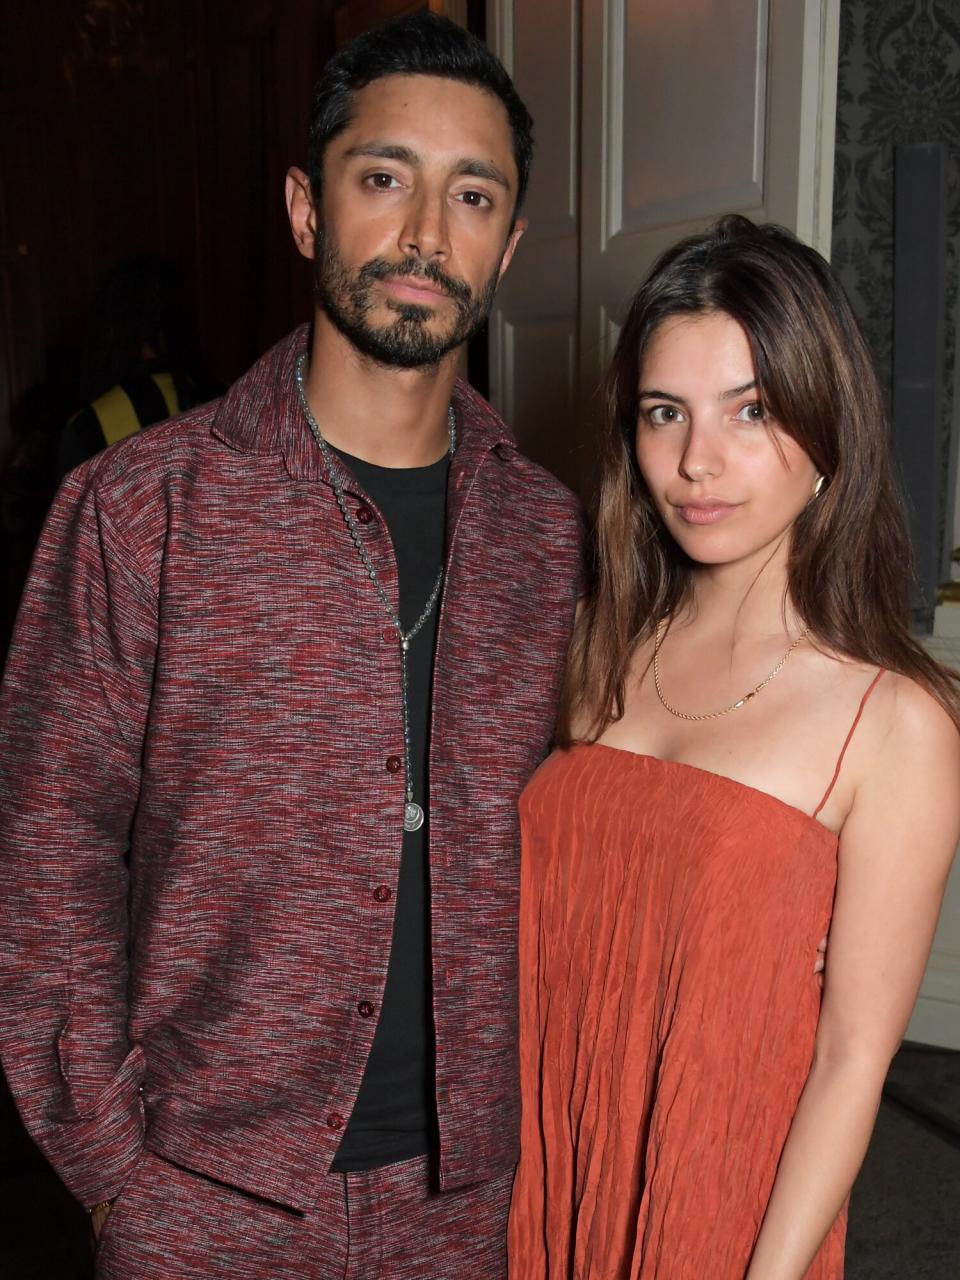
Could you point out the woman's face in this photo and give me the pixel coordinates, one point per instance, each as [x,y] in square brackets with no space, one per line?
[727,480]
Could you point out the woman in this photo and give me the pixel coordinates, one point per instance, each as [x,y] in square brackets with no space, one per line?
[753,749]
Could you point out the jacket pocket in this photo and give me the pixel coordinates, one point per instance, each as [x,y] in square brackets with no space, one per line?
[95,1150]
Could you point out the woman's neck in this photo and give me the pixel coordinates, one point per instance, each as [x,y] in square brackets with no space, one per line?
[740,601]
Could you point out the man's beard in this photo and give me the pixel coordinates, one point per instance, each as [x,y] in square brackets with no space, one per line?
[405,343]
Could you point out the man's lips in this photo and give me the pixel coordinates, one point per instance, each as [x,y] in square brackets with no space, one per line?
[704,511]
[414,288]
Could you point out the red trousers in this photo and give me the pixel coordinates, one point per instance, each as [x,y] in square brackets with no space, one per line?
[387,1224]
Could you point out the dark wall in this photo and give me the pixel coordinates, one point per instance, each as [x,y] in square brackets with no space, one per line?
[160,125]
[899,82]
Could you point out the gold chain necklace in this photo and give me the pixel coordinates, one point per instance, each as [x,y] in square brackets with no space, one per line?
[734,706]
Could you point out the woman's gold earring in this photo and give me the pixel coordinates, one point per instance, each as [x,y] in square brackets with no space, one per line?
[818,486]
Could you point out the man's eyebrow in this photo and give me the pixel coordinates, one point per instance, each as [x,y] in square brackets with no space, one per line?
[468,167]
[482,169]
[385,151]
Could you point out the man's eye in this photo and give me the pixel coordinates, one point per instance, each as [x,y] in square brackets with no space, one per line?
[475,199]
[382,181]
[661,414]
[753,412]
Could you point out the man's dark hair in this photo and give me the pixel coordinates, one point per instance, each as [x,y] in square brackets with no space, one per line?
[419,44]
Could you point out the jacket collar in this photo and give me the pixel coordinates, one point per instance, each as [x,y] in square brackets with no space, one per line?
[261,414]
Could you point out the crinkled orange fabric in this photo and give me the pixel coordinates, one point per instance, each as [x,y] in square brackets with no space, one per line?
[669,924]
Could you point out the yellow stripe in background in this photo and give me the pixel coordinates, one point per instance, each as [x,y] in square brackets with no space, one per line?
[116,415]
[169,392]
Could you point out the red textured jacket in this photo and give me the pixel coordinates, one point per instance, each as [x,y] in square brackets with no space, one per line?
[202,673]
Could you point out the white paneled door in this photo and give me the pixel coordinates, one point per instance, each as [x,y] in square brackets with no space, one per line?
[652,119]
[534,366]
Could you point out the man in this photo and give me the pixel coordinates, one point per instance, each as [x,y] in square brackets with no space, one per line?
[292,658]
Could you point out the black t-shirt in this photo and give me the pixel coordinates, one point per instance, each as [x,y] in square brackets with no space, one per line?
[394,1117]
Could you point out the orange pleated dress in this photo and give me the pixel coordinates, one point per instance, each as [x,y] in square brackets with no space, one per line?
[669,922]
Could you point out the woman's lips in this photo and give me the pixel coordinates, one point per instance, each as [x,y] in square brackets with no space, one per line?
[704,512]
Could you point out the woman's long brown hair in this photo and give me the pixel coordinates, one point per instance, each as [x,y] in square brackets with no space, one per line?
[849,571]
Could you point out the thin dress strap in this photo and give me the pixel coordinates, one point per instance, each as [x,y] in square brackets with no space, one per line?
[846,742]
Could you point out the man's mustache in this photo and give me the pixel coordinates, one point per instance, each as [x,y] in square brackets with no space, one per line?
[380,269]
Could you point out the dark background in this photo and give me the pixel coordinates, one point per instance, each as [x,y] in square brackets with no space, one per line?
[153,125]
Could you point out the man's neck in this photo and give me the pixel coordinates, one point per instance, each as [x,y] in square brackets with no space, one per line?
[387,416]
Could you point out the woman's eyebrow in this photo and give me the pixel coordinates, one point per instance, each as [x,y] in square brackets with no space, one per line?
[651,393]
[738,391]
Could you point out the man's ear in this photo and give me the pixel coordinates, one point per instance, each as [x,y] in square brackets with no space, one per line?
[301,211]
[519,227]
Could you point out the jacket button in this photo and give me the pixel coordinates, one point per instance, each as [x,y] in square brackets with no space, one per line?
[334,1121]
[382,893]
[364,515]
[365,1009]
[389,635]
[394,764]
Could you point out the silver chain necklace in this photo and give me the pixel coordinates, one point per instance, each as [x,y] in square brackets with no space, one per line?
[412,812]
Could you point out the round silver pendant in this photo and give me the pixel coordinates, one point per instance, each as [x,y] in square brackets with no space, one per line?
[412,816]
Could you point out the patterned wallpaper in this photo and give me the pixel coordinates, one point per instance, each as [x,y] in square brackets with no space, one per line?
[899,81]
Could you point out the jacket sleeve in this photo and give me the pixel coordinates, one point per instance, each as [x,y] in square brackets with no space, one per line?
[73,711]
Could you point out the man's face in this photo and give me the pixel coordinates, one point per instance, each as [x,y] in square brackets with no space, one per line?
[416,222]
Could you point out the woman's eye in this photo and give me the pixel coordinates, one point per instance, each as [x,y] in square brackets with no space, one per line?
[661,414]
[753,412]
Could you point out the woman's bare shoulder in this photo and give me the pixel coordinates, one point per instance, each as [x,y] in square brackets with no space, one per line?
[899,722]
[896,703]
[915,716]
[908,738]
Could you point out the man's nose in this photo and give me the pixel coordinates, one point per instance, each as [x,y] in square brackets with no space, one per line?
[425,230]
